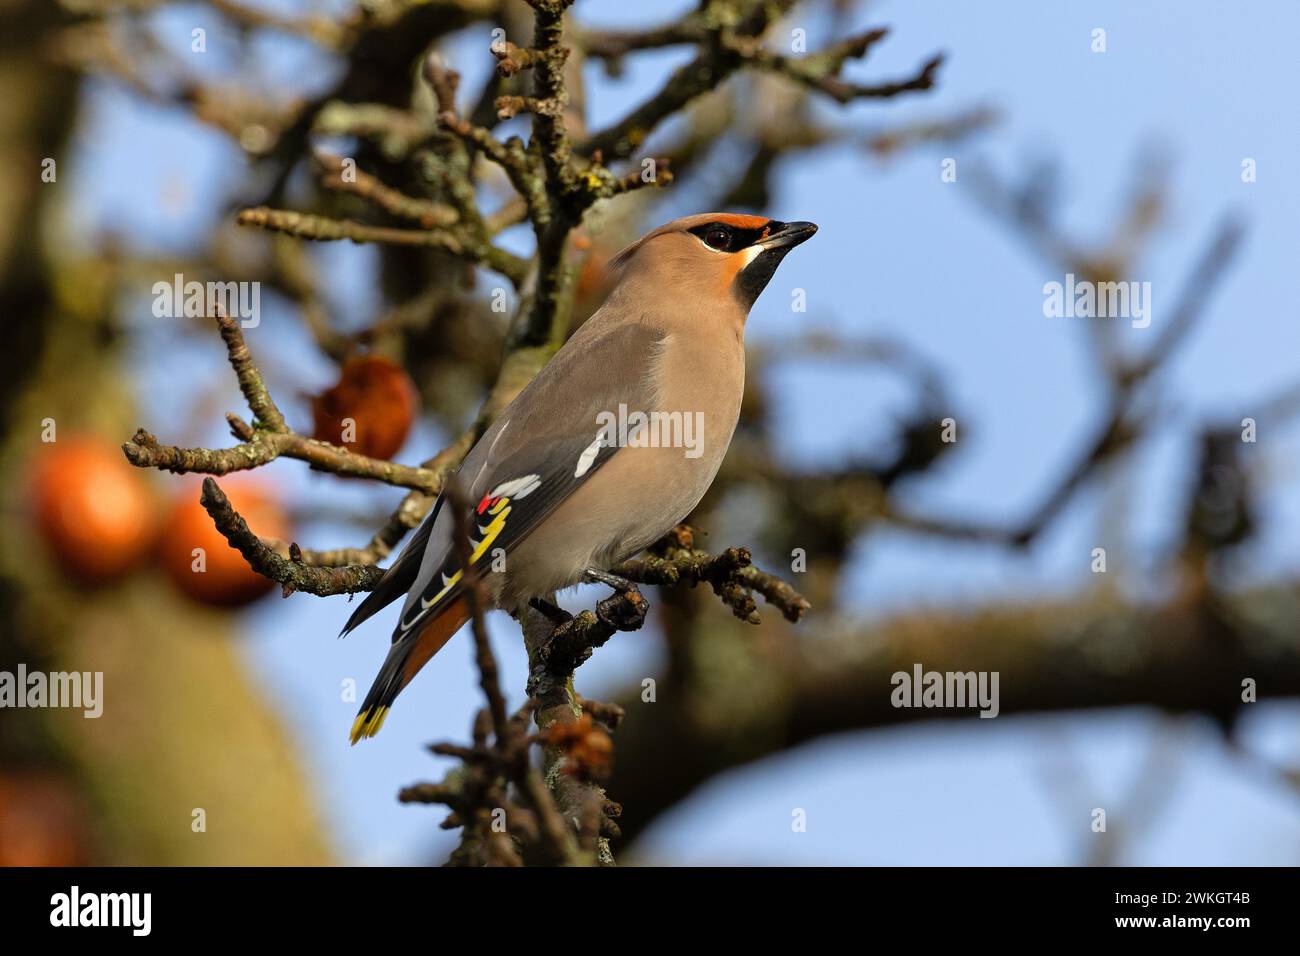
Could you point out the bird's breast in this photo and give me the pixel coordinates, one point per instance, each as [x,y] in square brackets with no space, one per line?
[701,376]
[668,457]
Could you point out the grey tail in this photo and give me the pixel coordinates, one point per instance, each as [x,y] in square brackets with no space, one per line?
[397,580]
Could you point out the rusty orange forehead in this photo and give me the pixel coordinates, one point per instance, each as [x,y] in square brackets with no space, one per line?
[742,222]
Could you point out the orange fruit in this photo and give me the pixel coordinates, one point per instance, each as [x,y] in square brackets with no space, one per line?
[370,410]
[196,557]
[92,508]
[42,821]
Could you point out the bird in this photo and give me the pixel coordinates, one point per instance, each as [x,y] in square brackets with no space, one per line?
[612,444]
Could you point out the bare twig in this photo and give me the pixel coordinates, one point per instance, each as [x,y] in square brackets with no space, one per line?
[731,574]
[270,438]
[430,215]
[291,573]
[455,242]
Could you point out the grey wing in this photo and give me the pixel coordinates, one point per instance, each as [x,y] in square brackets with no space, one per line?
[544,445]
[399,577]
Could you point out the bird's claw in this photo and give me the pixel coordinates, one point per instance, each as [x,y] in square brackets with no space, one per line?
[624,611]
[552,612]
[597,576]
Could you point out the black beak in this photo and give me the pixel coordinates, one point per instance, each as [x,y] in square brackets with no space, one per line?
[787,235]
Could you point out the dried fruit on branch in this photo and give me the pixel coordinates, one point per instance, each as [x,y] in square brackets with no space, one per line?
[370,410]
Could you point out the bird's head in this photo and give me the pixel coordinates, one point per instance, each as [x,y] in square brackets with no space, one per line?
[713,254]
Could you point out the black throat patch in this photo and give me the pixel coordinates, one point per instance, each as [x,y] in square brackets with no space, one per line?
[753,279]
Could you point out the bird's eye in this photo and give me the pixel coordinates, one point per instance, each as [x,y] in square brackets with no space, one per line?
[717,238]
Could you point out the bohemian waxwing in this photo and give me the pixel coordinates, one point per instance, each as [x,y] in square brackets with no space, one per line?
[579,472]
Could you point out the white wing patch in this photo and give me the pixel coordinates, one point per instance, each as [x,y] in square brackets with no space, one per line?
[589,455]
[517,487]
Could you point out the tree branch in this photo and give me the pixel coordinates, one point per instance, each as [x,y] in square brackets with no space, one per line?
[453,241]
[291,573]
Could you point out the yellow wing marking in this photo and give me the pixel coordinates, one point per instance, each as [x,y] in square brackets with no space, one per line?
[499,512]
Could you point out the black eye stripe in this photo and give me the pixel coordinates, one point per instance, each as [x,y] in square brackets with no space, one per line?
[740,238]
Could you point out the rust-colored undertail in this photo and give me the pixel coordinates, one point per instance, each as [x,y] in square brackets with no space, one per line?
[405,658]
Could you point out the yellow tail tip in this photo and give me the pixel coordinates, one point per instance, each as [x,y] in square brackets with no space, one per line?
[368,723]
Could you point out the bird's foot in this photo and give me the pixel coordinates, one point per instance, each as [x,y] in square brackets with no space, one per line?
[552,612]
[623,611]
[597,576]
[626,610]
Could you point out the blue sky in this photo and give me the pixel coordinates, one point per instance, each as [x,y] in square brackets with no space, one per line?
[903,254]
